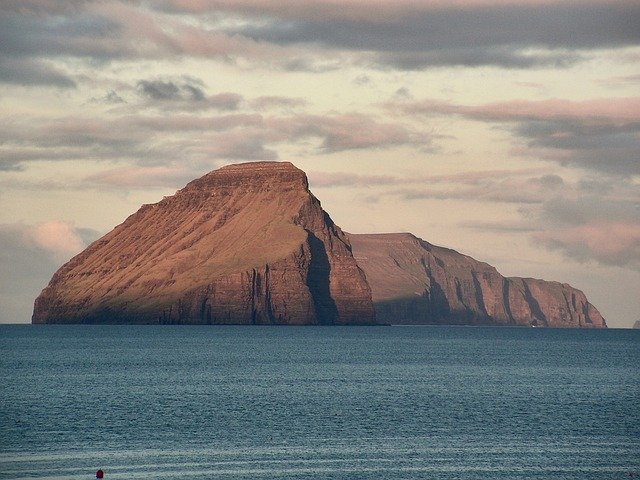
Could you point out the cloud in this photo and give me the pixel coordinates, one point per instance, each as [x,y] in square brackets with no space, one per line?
[607,242]
[161,139]
[187,94]
[308,36]
[416,35]
[344,179]
[225,101]
[273,101]
[374,11]
[457,181]
[597,111]
[58,238]
[477,57]
[592,219]
[621,81]
[33,72]
[100,32]
[142,177]
[497,227]
[596,134]
[159,90]
[29,255]
[349,131]
[109,98]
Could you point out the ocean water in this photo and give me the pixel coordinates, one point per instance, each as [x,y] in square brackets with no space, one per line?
[183,402]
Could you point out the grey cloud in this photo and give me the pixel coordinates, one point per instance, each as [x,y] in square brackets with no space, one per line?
[32,72]
[78,33]
[109,98]
[310,64]
[511,36]
[252,148]
[593,208]
[496,35]
[267,102]
[600,135]
[160,90]
[611,148]
[476,57]
[622,251]
[601,223]
[99,32]
[42,6]
[156,140]
[361,80]
[185,95]
[350,131]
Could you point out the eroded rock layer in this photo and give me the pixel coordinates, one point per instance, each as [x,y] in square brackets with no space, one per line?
[245,244]
[414,282]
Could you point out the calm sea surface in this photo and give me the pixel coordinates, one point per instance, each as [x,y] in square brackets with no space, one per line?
[171,402]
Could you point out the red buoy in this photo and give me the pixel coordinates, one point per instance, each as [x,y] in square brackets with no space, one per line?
[100,474]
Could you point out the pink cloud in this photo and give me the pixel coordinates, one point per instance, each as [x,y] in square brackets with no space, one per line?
[616,110]
[609,242]
[347,131]
[57,237]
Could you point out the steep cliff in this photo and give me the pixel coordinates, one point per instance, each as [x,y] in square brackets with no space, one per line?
[414,282]
[245,244]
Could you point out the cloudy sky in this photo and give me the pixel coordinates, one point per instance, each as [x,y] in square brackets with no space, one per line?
[506,129]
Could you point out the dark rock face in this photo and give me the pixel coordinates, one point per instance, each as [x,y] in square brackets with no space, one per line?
[414,282]
[246,244]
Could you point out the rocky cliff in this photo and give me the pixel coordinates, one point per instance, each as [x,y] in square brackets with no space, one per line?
[249,244]
[414,282]
[246,244]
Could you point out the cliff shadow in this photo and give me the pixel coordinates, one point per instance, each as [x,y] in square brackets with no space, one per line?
[318,282]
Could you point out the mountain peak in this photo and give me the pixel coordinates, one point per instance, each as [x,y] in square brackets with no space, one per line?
[246,243]
[280,175]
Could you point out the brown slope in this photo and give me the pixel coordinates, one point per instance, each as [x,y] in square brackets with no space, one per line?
[244,244]
[414,282]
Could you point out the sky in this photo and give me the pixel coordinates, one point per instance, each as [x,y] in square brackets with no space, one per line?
[508,130]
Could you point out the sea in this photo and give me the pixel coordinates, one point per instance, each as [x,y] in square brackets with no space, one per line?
[348,403]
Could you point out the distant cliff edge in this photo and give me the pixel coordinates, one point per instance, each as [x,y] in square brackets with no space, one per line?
[250,244]
[414,282]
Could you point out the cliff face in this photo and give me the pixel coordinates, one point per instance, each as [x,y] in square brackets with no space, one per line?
[246,244]
[414,282]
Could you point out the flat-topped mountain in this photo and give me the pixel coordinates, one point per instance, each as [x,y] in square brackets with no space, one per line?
[414,282]
[245,244]
[250,244]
